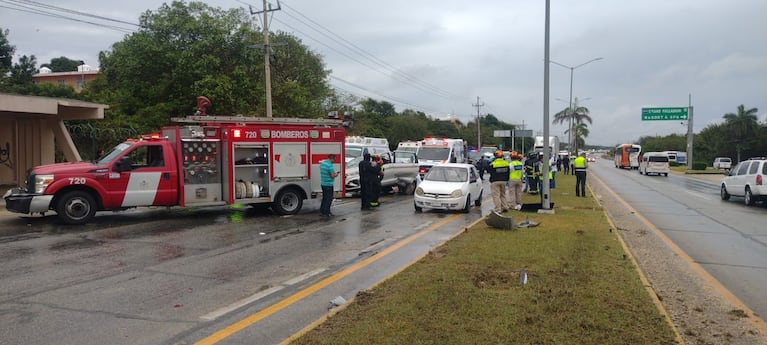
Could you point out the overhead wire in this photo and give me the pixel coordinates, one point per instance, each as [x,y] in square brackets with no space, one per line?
[44,10]
[344,42]
[25,8]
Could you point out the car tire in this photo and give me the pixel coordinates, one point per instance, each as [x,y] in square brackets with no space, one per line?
[723,193]
[478,202]
[468,204]
[417,208]
[408,190]
[665,174]
[748,197]
[76,207]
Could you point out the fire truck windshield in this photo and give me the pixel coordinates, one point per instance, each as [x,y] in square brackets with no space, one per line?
[111,155]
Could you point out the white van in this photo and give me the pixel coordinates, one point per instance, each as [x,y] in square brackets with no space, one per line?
[654,163]
[722,163]
[356,146]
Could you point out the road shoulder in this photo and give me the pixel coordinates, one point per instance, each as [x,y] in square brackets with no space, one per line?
[700,313]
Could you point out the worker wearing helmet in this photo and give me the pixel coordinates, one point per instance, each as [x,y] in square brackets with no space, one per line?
[515,181]
[499,176]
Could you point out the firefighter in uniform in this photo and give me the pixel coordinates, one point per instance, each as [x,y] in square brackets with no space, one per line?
[579,166]
[499,177]
[515,181]
[365,167]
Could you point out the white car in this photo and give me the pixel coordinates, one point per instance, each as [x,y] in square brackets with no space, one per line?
[747,180]
[449,186]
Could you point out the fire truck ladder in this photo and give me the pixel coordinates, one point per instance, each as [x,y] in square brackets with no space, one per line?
[258,120]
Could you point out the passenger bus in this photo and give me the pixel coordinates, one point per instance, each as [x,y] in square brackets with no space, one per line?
[627,156]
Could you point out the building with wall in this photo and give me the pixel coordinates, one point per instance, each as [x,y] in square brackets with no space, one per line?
[31,128]
[77,80]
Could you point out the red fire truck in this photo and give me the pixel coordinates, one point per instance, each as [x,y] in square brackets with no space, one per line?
[215,160]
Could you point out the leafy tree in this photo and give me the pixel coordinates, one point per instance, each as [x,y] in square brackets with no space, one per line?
[187,50]
[575,115]
[6,53]
[580,132]
[22,72]
[63,64]
[743,125]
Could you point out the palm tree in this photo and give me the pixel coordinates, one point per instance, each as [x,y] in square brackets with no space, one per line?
[580,132]
[574,116]
[743,124]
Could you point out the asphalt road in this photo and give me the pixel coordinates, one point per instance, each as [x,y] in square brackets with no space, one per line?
[726,238]
[183,276]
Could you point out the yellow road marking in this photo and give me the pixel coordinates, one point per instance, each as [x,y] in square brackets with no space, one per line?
[754,318]
[260,315]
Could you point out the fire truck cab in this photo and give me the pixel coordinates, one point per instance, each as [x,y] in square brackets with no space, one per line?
[218,160]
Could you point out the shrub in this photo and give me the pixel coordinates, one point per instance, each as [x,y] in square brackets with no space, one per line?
[698,166]
[673,163]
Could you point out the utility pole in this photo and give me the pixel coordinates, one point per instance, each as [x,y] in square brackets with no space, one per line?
[690,134]
[267,52]
[479,136]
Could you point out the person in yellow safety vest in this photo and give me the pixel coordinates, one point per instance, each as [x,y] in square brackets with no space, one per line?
[580,165]
[499,177]
[515,181]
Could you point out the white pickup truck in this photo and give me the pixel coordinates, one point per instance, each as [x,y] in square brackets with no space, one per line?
[400,170]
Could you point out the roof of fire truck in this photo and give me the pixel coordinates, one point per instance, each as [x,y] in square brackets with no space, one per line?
[256,120]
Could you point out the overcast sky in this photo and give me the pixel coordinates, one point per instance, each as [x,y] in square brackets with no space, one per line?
[655,53]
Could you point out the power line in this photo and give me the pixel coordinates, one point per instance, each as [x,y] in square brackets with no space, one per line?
[344,42]
[85,14]
[32,10]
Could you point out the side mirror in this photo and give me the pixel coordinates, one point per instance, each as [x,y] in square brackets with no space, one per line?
[124,164]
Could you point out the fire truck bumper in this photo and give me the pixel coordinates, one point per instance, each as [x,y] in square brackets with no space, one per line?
[16,200]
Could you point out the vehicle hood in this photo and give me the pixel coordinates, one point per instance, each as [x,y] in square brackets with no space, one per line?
[65,168]
[439,187]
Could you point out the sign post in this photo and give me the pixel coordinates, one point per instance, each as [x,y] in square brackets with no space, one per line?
[664,114]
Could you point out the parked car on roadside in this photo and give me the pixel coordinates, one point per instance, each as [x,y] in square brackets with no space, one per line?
[746,180]
[722,163]
[449,186]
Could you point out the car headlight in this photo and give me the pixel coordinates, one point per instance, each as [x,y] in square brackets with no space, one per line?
[42,182]
[456,193]
[419,191]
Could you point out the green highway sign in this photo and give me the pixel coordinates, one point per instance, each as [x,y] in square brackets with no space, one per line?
[676,113]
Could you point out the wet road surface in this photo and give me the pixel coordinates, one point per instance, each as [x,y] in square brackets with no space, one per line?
[726,238]
[160,276]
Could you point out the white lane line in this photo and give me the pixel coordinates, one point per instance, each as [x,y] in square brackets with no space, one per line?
[700,196]
[259,295]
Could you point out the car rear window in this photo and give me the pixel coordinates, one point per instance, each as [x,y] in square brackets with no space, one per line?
[658,159]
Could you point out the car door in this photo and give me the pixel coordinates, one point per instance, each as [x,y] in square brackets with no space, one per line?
[737,185]
[475,184]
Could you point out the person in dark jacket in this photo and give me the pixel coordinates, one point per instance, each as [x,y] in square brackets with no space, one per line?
[365,170]
[376,175]
[499,177]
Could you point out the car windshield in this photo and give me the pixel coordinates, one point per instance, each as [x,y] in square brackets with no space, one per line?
[116,151]
[353,152]
[447,174]
[433,153]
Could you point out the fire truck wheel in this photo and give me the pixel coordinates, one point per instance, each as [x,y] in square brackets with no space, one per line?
[76,207]
[288,201]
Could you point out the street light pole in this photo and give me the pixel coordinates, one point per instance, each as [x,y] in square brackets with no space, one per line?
[570,108]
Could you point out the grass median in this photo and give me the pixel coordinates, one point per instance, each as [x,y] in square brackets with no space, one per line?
[581,289]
